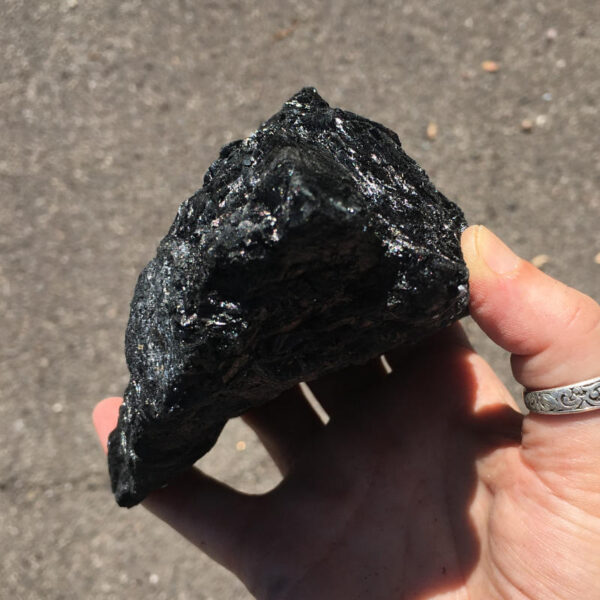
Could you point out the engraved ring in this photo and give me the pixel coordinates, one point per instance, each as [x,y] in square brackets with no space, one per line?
[579,397]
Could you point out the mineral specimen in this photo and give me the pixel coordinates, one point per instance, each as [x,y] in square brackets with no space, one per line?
[314,244]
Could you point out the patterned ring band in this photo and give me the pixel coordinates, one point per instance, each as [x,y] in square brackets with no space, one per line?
[579,397]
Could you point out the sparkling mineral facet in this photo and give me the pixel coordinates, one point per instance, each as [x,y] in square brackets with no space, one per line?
[314,244]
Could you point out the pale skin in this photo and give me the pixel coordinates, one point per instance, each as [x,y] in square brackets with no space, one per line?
[427,483]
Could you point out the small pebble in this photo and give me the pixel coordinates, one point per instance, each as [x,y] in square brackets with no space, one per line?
[285,32]
[154,578]
[540,260]
[57,407]
[597,258]
[547,97]
[241,445]
[541,120]
[551,34]
[561,63]
[282,34]
[526,125]
[490,66]
[432,131]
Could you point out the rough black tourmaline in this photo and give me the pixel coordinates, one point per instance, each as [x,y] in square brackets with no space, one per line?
[314,244]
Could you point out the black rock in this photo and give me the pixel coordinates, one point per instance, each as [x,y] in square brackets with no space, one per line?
[314,244]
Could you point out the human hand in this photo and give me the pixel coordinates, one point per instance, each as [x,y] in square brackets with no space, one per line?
[427,482]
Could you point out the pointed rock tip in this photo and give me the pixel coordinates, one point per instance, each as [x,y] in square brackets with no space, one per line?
[307,99]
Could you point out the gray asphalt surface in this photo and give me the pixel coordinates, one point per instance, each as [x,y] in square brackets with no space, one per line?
[110,112]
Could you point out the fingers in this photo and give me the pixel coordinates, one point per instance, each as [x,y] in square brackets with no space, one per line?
[105,417]
[552,330]
[553,333]
[284,426]
[208,513]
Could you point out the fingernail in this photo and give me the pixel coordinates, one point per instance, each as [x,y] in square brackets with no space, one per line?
[496,254]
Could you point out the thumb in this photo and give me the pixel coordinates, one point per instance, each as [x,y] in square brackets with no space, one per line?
[553,334]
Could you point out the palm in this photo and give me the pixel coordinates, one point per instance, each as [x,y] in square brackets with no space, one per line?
[418,491]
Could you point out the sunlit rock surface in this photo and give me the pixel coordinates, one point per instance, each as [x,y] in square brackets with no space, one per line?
[314,244]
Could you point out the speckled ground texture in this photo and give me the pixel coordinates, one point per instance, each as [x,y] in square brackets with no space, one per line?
[115,109]
[314,244]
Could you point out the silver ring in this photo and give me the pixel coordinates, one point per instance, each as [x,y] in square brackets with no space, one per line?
[579,397]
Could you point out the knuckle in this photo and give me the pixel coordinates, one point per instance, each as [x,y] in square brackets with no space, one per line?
[582,316]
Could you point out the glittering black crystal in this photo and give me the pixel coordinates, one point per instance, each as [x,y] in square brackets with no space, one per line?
[314,244]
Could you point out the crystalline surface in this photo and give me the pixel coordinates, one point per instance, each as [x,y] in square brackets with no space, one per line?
[314,244]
